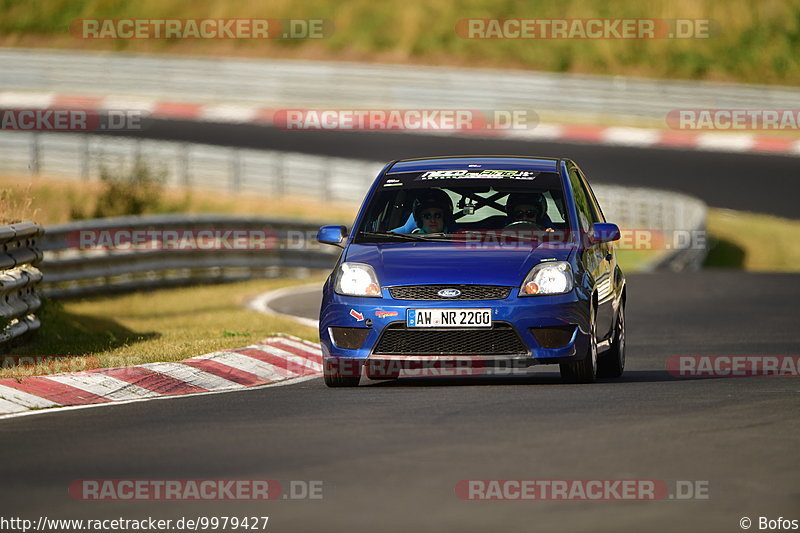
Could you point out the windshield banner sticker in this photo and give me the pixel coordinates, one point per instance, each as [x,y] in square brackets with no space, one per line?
[471,174]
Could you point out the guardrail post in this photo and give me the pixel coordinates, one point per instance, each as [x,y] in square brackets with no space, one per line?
[33,165]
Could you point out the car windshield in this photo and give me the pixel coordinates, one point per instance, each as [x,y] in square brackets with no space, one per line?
[456,204]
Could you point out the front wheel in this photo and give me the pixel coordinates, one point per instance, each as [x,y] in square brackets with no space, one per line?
[585,370]
[612,364]
[341,373]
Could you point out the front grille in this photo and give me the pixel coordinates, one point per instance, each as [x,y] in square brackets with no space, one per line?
[501,339]
[468,292]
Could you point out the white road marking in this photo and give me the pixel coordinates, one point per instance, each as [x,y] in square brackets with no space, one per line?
[262,302]
[727,143]
[10,99]
[228,113]
[128,103]
[631,136]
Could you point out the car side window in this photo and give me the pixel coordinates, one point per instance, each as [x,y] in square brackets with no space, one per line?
[586,216]
[593,203]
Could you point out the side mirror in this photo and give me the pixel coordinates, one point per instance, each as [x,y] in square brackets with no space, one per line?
[604,232]
[334,235]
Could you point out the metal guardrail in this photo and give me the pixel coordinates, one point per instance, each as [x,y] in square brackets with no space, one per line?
[289,247]
[286,83]
[82,258]
[188,165]
[272,248]
[677,221]
[19,277]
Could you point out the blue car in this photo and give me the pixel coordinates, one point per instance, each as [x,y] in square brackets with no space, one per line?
[496,262]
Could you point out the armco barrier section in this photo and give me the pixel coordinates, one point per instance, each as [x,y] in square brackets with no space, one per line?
[19,277]
[188,165]
[117,254]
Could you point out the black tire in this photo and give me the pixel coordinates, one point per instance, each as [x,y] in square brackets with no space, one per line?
[585,370]
[612,363]
[341,375]
[379,370]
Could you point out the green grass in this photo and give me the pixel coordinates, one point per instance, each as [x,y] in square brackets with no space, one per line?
[756,41]
[753,242]
[145,327]
[635,260]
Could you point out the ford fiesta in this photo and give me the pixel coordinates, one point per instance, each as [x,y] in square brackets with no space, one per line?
[493,262]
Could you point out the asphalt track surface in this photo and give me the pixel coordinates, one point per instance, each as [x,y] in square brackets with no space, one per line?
[742,181]
[390,453]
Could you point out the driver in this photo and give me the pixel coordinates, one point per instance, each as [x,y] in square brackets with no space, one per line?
[528,207]
[433,212]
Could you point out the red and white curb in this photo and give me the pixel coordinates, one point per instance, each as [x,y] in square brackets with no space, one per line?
[239,114]
[275,360]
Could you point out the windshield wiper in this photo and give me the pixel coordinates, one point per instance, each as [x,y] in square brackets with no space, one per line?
[434,236]
[392,234]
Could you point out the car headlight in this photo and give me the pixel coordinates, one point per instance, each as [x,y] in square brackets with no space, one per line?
[554,277]
[357,279]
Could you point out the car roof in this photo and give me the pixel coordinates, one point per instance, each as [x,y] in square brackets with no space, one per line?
[504,162]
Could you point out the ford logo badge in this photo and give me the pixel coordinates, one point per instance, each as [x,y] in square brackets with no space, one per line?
[449,293]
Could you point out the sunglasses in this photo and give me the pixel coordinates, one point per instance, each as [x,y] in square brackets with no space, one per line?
[529,213]
[428,216]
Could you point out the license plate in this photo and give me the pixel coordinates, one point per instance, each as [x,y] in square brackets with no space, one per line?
[449,318]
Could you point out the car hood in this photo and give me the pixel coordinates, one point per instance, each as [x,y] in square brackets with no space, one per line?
[422,263]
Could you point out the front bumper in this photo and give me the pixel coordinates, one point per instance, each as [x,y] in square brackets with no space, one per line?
[374,317]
